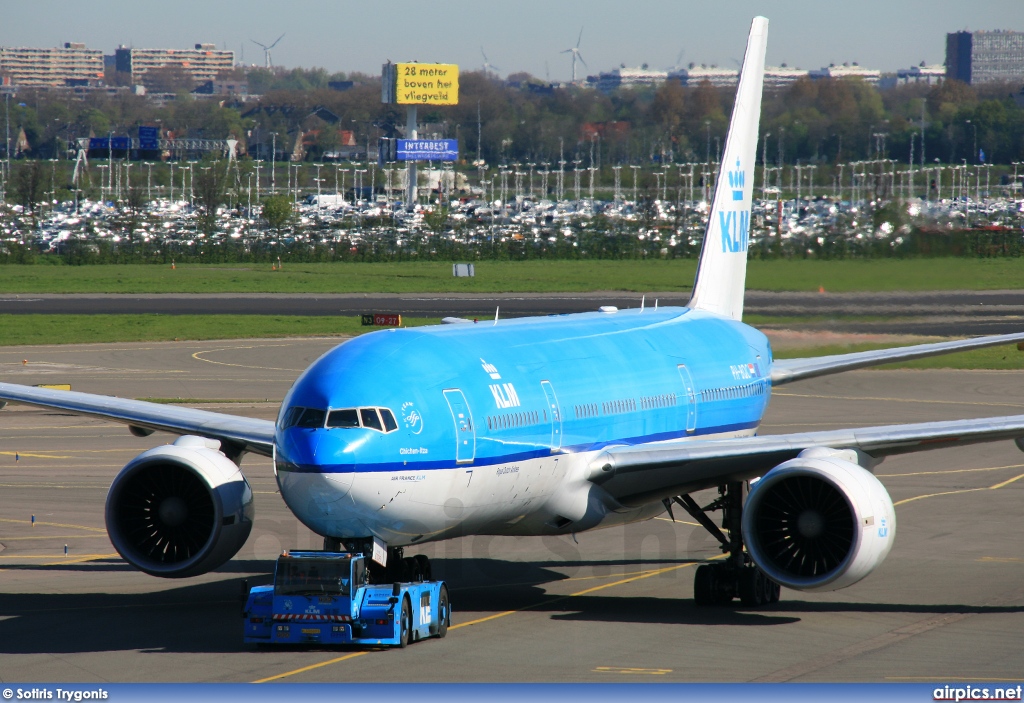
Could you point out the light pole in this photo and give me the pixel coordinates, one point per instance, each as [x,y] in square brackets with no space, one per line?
[707,150]
[911,193]
[273,165]
[974,156]
[103,190]
[110,161]
[764,165]
[318,167]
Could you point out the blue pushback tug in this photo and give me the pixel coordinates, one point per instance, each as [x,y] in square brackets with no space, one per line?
[325,598]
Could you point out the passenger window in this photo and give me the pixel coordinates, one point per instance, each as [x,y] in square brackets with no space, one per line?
[389,420]
[370,419]
[312,418]
[343,418]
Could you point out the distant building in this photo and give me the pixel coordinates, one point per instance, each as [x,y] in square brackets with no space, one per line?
[782,76]
[69,65]
[694,75]
[623,77]
[223,86]
[847,70]
[928,75]
[203,63]
[985,57]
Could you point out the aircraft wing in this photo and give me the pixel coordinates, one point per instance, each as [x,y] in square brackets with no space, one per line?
[249,434]
[789,370]
[641,474]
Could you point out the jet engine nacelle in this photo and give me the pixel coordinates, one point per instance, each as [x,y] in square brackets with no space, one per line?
[819,522]
[179,510]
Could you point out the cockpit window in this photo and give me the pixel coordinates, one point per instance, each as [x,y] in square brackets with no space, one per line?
[303,417]
[311,418]
[370,419]
[288,417]
[389,420]
[348,417]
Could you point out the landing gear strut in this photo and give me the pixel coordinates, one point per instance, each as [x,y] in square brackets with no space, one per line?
[400,568]
[736,576]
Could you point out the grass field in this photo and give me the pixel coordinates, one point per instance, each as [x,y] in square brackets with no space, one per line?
[513,277]
[79,329]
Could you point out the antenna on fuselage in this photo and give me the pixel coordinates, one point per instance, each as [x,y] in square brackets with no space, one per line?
[643,299]
[496,314]
[655,303]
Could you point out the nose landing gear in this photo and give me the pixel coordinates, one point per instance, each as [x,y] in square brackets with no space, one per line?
[400,568]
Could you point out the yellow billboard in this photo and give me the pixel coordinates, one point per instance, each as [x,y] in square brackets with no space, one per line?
[427,84]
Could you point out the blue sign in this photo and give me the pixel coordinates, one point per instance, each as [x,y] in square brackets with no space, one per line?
[98,143]
[148,132]
[428,149]
[147,144]
[121,143]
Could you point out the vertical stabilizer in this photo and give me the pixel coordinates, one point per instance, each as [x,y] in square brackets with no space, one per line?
[722,269]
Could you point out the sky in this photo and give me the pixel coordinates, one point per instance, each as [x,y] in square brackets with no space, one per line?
[525,35]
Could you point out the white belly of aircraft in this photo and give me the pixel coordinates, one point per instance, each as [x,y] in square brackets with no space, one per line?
[549,495]
[410,507]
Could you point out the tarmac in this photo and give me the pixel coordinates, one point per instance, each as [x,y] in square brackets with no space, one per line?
[610,606]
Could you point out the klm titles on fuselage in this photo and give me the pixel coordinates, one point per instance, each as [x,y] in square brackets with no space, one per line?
[505,395]
[735,224]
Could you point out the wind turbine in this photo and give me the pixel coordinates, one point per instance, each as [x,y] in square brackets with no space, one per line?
[679,60]
[266,49]
[575,51]
[488,66]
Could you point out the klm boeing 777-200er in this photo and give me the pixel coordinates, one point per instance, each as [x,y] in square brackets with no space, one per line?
[544,426]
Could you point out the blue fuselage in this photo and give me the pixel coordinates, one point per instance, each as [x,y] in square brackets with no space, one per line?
[406,406]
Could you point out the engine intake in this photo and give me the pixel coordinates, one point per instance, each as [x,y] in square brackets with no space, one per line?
[818,522]
[179,510]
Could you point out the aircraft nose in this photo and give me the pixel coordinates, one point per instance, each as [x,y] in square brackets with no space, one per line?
[299,446]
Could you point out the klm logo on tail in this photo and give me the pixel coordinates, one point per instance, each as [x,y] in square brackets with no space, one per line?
[735,224]
[736,180]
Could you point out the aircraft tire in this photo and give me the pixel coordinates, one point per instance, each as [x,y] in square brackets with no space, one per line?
[423,565]
[405,624]
[751,587]
[704,585]
[444,612]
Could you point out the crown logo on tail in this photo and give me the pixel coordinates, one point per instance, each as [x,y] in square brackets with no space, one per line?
[737,180]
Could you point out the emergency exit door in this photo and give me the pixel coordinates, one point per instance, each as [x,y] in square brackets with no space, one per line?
[690,396]
[465,434]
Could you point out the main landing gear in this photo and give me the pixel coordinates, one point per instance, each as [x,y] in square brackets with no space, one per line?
[400,568]
[736,576]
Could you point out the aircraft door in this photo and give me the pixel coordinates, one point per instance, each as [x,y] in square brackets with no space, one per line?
[554,416]
[465,433]
[690,396]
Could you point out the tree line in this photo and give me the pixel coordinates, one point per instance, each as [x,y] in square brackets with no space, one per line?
[523,120]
